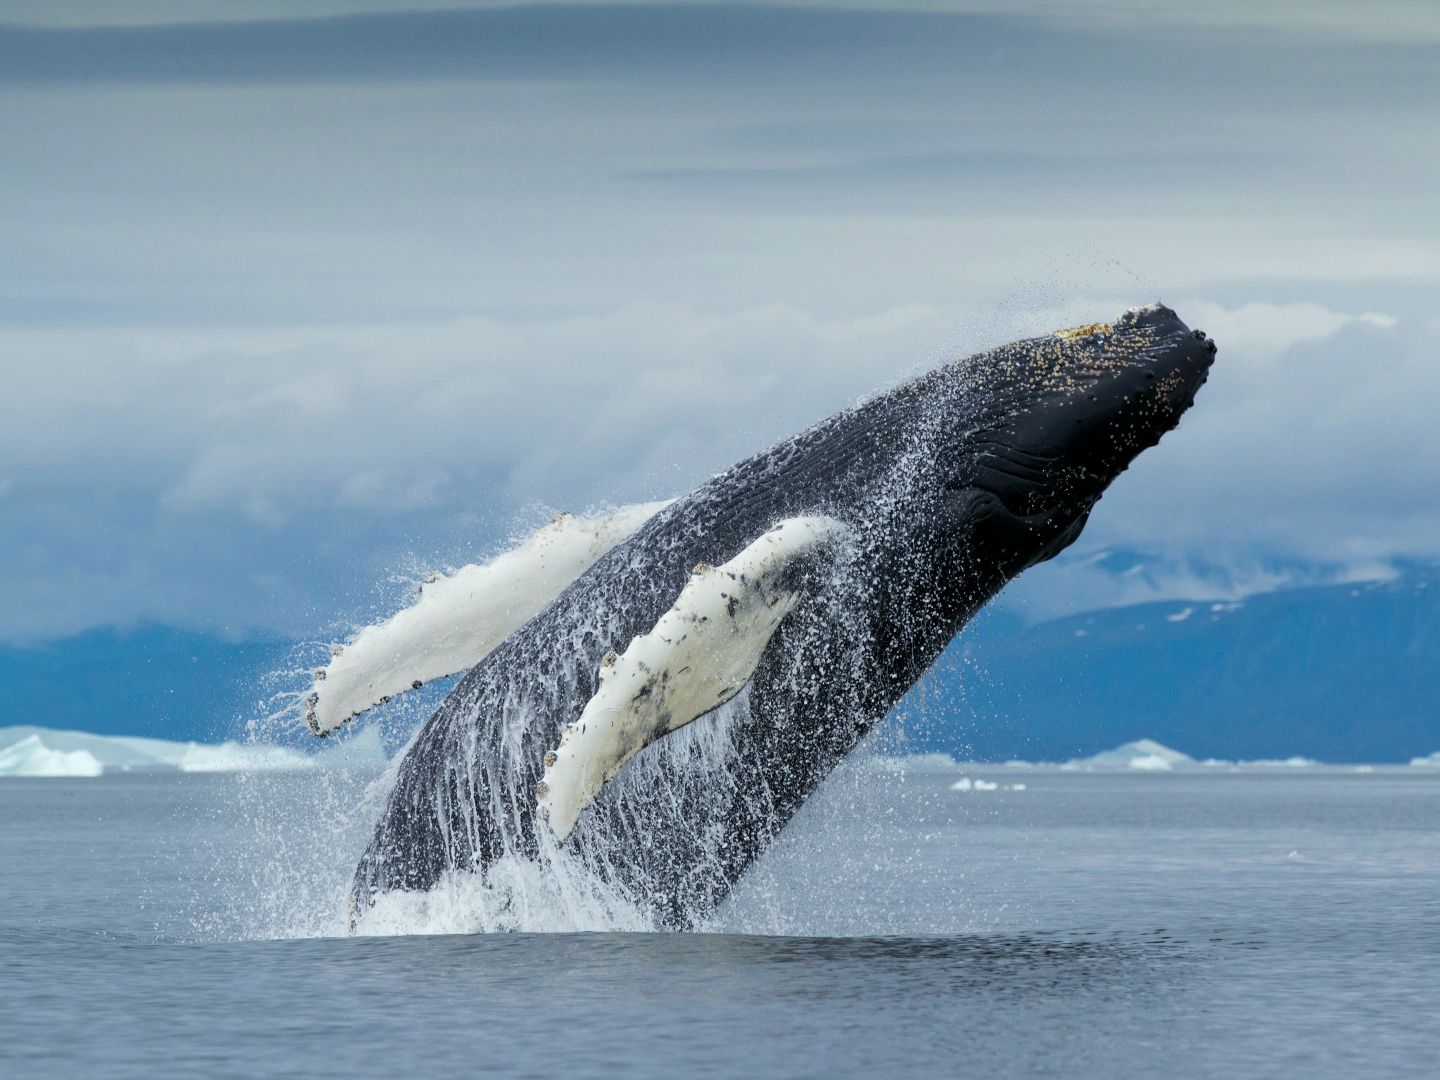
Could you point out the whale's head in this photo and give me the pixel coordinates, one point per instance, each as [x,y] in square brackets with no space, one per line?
[1046,424]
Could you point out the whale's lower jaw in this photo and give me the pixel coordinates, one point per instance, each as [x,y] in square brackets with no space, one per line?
[932,530]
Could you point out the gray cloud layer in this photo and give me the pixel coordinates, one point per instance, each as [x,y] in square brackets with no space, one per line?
[290,305]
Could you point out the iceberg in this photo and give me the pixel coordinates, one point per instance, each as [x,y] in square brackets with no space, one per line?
[1431,761]
[37,751]
[31,757]
[1147,755]
[1295,762]
[1143,755]
[112,752]
[966,784]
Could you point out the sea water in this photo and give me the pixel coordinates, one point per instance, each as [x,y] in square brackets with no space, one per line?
[1264,923]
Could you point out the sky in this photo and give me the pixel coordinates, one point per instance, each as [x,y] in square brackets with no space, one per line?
[301,300]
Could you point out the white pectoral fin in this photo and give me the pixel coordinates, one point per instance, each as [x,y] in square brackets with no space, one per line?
[459,618]
[700,654]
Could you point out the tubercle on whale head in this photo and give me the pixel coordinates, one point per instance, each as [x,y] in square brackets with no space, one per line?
[1056,419]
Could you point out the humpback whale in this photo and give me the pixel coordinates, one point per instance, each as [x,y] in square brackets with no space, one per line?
[655,722]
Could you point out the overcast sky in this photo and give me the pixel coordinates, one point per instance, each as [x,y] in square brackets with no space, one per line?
[300,299]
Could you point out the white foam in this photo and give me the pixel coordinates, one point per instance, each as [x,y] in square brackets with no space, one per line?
[902,763]
[512,895]
[458,619]
[31,757]
[237,757]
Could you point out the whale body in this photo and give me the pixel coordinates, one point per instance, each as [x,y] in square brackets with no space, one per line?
[658,722]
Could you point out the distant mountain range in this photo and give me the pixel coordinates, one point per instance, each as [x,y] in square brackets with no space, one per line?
[1339,673]
[154,681]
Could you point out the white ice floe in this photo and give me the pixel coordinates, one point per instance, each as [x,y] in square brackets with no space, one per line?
[1147,755]
[1143,755]
[966,784]
[1296,762]
[1430,761]
[29,751]
[698,656]
[31,757]
[458,619]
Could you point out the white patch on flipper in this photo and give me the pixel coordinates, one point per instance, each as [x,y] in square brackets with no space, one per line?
[700,654]
[458,619]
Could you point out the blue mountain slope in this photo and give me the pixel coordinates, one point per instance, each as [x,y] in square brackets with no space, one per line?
[155,680]
[1337,673]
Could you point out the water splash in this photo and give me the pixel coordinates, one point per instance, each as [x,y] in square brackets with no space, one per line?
[307,838]
[459,846]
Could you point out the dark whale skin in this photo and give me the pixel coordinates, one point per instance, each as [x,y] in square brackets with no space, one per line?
[949,486]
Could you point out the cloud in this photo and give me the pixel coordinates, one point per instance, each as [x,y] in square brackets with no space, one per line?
[292,306]
[1261,330]
[321,461]
[1405,20]
[325,462]
[1093,580]
[1305,445]
[537,42]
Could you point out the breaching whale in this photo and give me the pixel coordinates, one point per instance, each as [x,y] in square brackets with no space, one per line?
[786,604]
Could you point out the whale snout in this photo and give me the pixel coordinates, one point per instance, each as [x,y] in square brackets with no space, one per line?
[1144,371]
[1179,361]
[1087,401]
[1197,370]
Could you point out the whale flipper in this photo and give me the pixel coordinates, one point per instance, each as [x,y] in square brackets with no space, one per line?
[458,619]
[699,655]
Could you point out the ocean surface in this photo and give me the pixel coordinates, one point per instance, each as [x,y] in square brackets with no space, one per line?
[1257,923]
